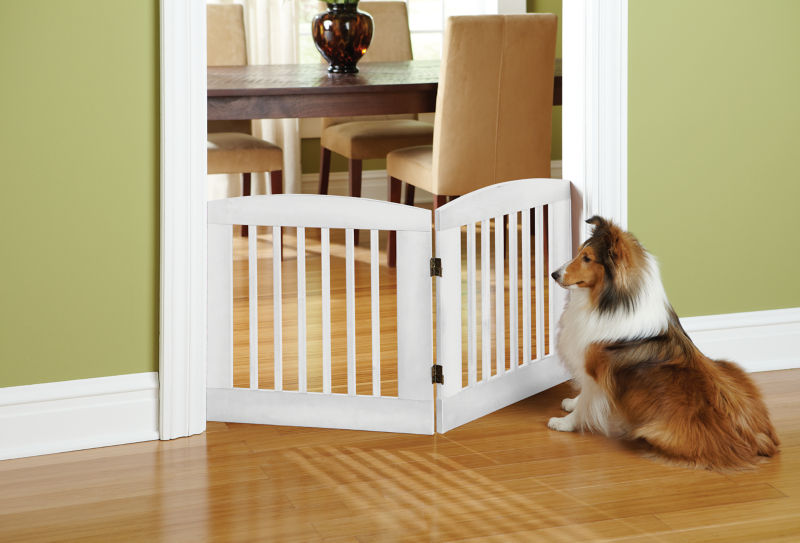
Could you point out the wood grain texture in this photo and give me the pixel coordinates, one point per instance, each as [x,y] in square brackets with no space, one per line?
[504,477]
[308,90]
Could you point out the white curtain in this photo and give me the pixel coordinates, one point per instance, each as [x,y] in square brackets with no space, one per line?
[271,30]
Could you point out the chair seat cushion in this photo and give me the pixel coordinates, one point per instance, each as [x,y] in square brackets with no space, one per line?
[413,165]
[232,152]
[375,139]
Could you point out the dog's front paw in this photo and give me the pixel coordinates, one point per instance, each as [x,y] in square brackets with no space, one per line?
[568,404]
[562,424]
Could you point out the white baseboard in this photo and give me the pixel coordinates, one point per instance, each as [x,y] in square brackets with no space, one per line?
[82,414]
[757,341]
[374,184]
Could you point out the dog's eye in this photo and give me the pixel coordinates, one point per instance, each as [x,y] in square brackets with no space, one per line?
[586,258]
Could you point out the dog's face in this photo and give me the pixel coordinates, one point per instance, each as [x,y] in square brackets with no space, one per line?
[584,271]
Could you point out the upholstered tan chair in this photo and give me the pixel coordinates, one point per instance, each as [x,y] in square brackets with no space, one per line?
[231,146]
[493,109]
[360,138]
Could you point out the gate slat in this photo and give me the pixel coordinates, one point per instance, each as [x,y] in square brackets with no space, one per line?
[540,278]
[326,309]
[351,312]
[472,365]
[252,270]
[374,254]
[552,284]
[301,311]
[526,286]
[220,306]
[486,310]
[277,307]
[499,290]
[513,316]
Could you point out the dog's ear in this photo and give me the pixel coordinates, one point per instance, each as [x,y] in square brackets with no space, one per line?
[596,220]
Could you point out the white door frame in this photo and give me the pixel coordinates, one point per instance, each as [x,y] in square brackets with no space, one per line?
[595,52]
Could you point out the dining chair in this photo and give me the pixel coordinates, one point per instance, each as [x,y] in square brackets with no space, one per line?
[493,110]
[232,149]
[373,136]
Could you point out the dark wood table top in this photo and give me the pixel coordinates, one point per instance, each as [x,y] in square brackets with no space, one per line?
[307,90]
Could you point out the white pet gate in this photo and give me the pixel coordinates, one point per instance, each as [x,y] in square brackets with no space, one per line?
[505,314]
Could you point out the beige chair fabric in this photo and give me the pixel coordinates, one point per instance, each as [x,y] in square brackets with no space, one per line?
[231,147]
[373,136]
[493,107]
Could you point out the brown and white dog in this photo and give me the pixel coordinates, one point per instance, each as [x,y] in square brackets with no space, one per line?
[638,373]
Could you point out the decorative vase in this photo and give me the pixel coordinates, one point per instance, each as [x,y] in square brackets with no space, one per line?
[342,35]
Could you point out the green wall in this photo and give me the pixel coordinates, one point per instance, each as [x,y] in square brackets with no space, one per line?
[714,133]
[79,148]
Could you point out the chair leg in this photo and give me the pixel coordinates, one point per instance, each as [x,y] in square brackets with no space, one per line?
[438,201]
[245,192]
[409,200]
[324,169]
[276,186]
[354,168]
[394,196]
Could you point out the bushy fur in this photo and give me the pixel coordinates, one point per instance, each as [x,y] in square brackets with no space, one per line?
[639,374]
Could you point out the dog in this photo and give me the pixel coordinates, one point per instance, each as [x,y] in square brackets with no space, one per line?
[639,375]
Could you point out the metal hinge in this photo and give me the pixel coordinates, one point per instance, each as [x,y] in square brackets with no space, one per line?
[437,375]
[436,267]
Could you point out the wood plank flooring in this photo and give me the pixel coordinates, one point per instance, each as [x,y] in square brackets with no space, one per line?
[504,477]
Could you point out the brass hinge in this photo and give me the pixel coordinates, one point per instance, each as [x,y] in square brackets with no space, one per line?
[436,267]
[437,375]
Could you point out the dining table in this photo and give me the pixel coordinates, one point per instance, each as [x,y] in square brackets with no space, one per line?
[279,91]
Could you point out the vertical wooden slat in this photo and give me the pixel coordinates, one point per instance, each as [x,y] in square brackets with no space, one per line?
[351,312]
[539,281]
[499,290]
[374,254]
[220,306]
[448,311]
[526,286]
[277,307]
[486,311]
[552,284]
[326,309]
[513,316]
[252,272]
[301,311]
[472,340]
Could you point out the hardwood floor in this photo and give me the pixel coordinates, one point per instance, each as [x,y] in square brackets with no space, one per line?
[504,477]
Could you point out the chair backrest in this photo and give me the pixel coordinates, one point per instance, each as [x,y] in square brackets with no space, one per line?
[226,45]
[494,103]
[391,42]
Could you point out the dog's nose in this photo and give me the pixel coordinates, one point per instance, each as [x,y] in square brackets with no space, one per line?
[556,275]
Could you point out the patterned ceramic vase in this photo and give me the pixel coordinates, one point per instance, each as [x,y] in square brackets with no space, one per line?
[342,35]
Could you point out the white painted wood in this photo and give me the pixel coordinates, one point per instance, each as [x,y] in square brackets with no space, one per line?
[350,288]
[595,110]
[414,315]
[559,217]
[486,307]
[526,286]
[326,309]
[182,312]
[277,305]
[302,363]
[448,310]
[499,296]
[456,405]
[81,414]
[757,340]
[513,325]
[321,410]
[487,397]
[252,277]
[553,287]
[374,259]
[540,278]
[311,211]
[501,199]
[472,340]
[220,305]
